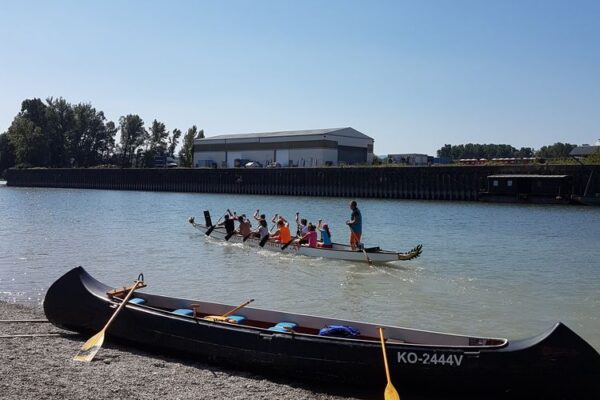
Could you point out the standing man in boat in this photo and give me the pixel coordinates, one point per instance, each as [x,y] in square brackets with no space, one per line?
[355,224]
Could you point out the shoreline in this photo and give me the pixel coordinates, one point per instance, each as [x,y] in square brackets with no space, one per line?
[41,367]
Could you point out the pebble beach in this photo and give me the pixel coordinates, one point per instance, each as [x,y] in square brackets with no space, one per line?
[40,366]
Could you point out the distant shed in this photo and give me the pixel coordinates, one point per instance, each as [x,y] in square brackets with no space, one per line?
[528,188]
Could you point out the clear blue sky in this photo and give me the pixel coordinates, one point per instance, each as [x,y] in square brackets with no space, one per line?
[413,75]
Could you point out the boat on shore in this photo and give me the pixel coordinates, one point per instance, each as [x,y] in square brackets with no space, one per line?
[556,362]
[338,251]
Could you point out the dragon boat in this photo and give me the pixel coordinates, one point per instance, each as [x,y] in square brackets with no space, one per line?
[338,251]
[556,362]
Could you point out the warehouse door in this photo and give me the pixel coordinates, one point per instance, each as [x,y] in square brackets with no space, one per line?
[282,157]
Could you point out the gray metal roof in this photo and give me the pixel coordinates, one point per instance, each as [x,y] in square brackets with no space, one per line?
[349,132]
[509,176]
[584,150]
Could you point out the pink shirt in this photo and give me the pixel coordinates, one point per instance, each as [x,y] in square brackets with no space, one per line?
[311,236]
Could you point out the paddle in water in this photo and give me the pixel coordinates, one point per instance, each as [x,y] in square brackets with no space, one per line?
[390,391]
[227,314]
[285,246]
[91,347]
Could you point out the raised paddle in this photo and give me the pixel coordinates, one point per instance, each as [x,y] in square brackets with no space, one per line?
[390,391]
[91,347]
[212,228]
[227,314]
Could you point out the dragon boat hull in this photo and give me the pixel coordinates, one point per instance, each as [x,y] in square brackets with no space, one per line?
[337,252]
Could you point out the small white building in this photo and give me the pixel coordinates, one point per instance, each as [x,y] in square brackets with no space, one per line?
[409,159]
[306,148]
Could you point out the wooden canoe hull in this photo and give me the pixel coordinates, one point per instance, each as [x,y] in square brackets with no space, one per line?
[556,361]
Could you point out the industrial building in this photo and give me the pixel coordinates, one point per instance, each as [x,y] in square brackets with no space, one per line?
[305,148]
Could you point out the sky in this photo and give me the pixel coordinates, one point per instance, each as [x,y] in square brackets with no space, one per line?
[414,75]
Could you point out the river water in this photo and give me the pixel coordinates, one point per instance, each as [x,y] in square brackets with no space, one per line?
[487,269]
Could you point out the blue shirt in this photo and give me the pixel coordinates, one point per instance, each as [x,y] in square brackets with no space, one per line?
[356,227]
[325,237]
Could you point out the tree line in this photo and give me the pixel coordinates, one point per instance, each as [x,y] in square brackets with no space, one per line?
[56,134]
[489,151]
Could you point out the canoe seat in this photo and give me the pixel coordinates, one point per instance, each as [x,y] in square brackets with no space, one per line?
[137,300]
[285,327]
[236,319]
[183,311]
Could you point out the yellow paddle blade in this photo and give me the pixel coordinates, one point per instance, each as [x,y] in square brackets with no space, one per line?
[90,348]
[391,393]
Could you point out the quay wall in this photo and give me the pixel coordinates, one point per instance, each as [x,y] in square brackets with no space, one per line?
[428,183]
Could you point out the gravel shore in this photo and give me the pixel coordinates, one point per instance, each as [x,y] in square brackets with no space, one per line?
[42,368]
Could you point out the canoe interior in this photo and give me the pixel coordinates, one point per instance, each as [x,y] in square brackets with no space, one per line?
[310,325]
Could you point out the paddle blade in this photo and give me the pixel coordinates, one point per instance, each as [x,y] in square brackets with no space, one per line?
[391,393]
[209,231]
[90,348]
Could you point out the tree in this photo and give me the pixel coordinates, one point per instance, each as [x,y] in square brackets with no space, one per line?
[156,144]
[7,153]
[133,135]
[59,123]
[557,150]
[173,141]
[187,151]
[94,136]
[26,134]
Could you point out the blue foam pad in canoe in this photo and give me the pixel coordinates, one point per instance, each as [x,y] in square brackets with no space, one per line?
[137,300]
[290,325]
[236,319]
[279,329]
[183,311]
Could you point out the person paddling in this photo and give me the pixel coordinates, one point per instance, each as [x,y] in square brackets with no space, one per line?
[355,225]
[325,235]
[245,227]
[228,223]
[282,234]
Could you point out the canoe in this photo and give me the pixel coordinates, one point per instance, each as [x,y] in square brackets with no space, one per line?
[338,251]
[556,361]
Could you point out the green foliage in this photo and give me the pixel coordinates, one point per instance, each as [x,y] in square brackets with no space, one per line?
[7,153]
[59,134]
[186,154]
[557,150]
[593,159]
[173,141]
[133,136]
[487,151]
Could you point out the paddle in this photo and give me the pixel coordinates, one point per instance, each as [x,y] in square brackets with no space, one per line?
[285,246]
[390,391]
[91,347]
[246,237]
[229,235]
[263,241]
[227,314]
[367,256]
[212,228]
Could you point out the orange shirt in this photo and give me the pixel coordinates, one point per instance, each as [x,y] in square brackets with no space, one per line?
[284,234]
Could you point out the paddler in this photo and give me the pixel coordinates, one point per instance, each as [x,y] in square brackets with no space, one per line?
[355,225]
[282,234]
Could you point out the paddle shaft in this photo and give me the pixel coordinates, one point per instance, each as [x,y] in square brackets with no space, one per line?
[125,300]
[227,314]
[367,256]
[385,361]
